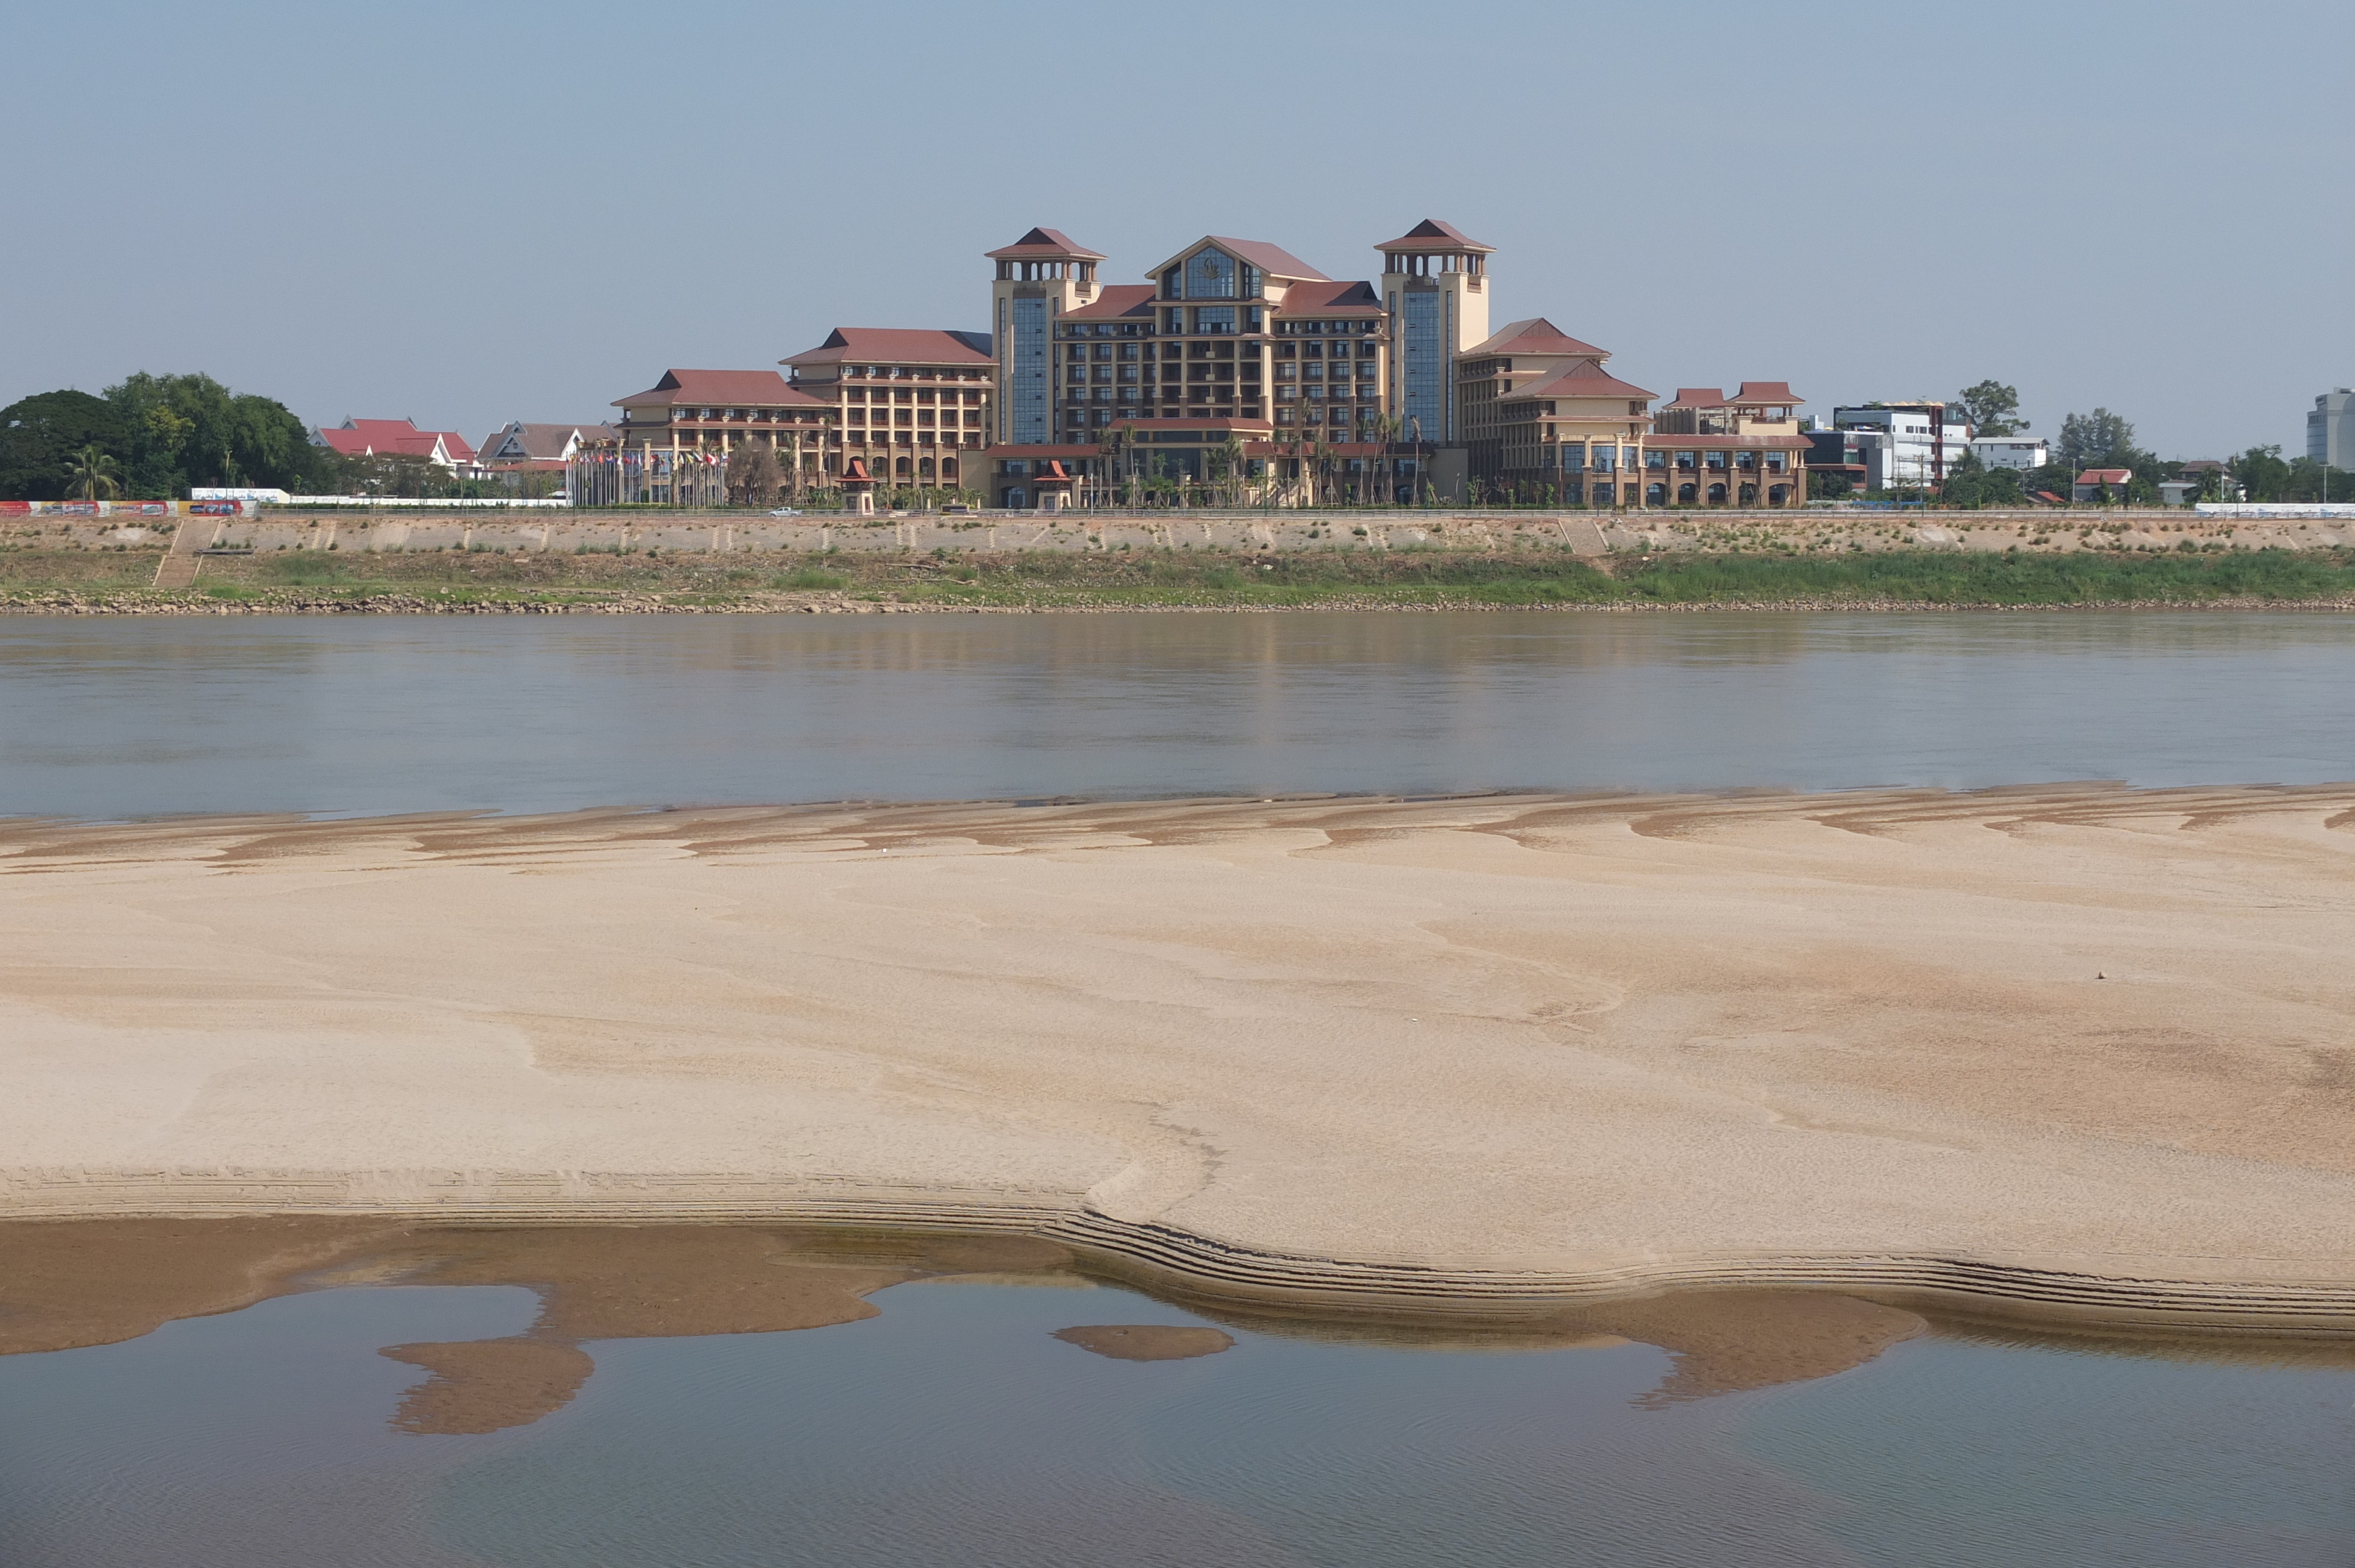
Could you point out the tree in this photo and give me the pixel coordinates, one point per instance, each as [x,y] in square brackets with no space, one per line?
[39,436]
[754,473]
[2087,440]
[93,471]
[1991,408]
[2263,474]
[183,430]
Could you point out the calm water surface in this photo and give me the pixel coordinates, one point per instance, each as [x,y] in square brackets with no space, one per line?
[951,1430]
[107,718]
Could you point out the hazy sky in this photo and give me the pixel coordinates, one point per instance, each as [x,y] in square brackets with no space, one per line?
[469,214]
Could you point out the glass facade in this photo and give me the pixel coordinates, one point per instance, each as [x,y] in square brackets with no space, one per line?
[1209,275]
[1214,318]
[1027,368]
[1422,377]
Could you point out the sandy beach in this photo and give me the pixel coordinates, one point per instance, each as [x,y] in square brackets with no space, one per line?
[2063,1051]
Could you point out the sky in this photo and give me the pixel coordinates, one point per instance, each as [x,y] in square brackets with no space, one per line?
[467,214]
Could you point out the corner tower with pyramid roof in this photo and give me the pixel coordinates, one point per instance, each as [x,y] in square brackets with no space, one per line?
[1042,277]
[1435,287]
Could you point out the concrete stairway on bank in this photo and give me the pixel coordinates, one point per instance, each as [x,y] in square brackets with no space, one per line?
[181,563]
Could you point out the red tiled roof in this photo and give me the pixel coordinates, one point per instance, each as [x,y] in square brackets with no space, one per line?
[2105,476]
[1116,299]
[1048,244]
[894,346]
[1696,397]
[1534,335]
[1766,392]
[358,438]
[725,388]
[1432,235]
[1327,298]
[1583,379]
[1271,259]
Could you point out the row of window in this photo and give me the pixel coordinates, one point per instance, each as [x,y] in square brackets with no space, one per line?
[1659,493]
[769,416]
[854,395]
[1573,458]
[1224,322]
[910,373]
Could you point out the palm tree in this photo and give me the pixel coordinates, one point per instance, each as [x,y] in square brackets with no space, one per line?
[91,471]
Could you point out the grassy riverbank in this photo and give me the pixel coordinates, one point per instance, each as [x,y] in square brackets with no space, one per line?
[1044,580]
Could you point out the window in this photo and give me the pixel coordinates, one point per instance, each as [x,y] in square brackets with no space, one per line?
[1026,360]
[1654,458]
[1214,318]
[1601,457]
[1211,275]
[1574,459]
[1424,364]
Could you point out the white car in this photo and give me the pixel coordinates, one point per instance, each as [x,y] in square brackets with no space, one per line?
[786,511]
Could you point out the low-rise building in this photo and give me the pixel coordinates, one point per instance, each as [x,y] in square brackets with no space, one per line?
[2022,452]
[396,437]
[2102,485]
[912,402]
[1917,446]
[534,457]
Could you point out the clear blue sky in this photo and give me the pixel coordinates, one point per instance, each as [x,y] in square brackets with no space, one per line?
[468,214]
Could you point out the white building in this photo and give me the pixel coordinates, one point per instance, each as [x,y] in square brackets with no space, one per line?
[2011,451]
[1916,448]
[2330,429]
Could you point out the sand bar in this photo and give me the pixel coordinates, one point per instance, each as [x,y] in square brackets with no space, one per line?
[2061,1050]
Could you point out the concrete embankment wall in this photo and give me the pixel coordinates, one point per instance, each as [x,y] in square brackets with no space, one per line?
[1582,533]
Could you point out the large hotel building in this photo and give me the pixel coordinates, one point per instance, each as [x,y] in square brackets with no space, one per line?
[1236,365]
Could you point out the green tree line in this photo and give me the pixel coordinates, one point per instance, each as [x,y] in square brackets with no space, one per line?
[151,437]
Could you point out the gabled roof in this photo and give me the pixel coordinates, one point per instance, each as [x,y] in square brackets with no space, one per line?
[1116,299]
[361,438]
[1044,245]
[1432,235]
[1269,258]
[721,388]
[520,442]
[1327,298]
[1696,397]
[2105,476]
[895,345]
[1583,379]
[1765,392]
[1536,336]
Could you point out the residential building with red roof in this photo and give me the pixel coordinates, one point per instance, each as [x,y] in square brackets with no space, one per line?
[396,437]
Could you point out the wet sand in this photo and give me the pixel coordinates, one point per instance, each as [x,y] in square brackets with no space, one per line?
[2068,1052]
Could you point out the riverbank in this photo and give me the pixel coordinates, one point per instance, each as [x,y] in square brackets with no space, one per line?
[467,582]
[2073,1054]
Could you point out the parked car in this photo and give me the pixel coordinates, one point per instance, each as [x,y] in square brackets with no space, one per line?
[786,511]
